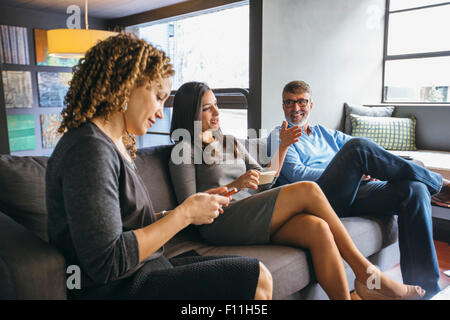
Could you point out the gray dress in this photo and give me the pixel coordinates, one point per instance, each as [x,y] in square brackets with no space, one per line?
[247,219]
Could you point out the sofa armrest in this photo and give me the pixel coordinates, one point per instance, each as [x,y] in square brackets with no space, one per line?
[30,268]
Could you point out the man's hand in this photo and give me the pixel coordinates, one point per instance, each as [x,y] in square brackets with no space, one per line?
[289,136]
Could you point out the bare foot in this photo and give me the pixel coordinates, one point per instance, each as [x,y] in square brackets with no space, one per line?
[386,288]
[397,290]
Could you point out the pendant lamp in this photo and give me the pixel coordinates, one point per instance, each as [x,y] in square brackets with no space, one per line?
[73,43]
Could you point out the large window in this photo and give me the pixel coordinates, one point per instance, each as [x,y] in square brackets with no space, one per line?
[417,52]
[211,47]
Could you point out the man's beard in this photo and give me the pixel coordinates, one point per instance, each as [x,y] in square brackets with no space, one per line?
[304,121]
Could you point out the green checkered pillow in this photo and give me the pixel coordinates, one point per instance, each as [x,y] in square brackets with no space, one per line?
[389,132]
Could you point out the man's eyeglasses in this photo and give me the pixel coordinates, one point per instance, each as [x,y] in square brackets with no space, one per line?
[301,102]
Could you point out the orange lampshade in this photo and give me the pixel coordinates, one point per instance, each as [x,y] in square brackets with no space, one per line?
[73,43]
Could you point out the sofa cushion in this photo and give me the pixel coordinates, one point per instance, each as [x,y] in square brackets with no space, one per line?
[22,196]
[7,289]
[36,269]
[371,234]
[152,164]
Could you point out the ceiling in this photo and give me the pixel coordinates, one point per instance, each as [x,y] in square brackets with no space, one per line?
[96,8]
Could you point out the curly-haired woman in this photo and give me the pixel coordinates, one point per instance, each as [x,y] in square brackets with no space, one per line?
[297,214]
[99,212]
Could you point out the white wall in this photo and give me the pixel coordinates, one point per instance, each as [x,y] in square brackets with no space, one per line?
[334,45]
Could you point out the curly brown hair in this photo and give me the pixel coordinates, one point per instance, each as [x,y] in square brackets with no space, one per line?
[103,79]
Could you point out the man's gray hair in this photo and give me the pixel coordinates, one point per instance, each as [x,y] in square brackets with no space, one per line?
[297,86]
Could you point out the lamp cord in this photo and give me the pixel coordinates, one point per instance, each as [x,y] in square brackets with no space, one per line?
[86,14]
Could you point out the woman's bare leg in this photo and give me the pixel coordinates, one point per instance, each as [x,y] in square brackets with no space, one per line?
[316,236]
[308,197]
[264,288]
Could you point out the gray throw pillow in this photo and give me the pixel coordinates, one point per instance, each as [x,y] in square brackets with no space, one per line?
[364,111]
[22,195]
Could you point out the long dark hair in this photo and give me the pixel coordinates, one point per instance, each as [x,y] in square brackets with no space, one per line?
[187,108]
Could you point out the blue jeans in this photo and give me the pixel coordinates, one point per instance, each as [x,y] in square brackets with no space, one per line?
[405,189]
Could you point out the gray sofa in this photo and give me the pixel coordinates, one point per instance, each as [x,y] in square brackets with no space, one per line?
[31,269]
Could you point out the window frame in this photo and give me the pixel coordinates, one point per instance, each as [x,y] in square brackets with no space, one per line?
[227,98]
[386,57]
[254,115]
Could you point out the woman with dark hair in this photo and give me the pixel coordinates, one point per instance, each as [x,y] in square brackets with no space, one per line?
[99,212]
[297,214]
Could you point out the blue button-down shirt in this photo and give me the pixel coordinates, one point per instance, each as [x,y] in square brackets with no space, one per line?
[307,159]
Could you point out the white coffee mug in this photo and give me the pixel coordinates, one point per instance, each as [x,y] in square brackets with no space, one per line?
[266,177]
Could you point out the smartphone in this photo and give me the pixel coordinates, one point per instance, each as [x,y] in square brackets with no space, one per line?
[229,192]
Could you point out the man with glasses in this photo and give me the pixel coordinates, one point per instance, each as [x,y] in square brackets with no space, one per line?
[346,167]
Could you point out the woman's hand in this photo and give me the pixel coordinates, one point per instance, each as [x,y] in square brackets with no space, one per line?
[250,179]
[289,136]
[202,208]
[218,190]
[198,209]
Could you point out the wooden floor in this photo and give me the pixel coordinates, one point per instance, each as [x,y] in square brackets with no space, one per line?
[443,253]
